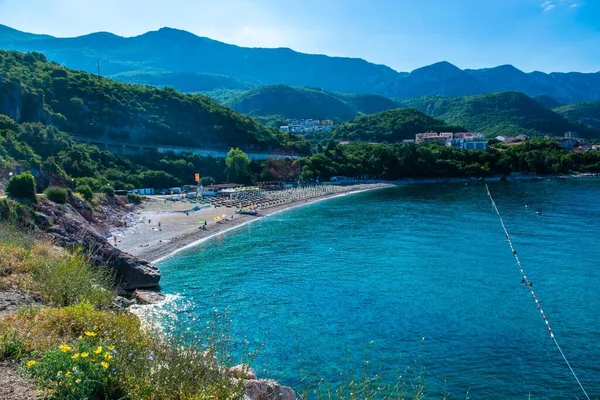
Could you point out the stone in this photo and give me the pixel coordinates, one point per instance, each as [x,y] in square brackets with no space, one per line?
[242,371]
[264,389]
[122,302]
[147,297]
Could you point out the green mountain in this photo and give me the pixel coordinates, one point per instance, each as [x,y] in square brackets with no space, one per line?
[35,90]
[391,126]
[547,101]
[296,102]
[186,82]
[586,113]
[171,50]
[508,113]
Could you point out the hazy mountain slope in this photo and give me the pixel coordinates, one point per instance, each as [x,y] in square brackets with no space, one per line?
[303,102]
[186,82]
[171,50]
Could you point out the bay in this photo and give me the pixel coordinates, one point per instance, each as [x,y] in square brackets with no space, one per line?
[414,280]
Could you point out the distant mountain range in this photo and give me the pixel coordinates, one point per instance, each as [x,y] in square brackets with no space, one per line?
[153,57]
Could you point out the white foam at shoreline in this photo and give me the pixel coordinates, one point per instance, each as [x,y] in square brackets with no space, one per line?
[312,201]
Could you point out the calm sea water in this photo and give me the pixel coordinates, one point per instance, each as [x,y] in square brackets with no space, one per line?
[416,278]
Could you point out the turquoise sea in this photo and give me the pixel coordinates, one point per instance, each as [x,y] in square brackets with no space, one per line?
[415,278]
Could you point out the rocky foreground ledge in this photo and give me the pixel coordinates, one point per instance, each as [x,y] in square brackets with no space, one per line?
[74,225]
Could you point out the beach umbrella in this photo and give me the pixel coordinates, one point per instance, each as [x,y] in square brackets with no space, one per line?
[217,218]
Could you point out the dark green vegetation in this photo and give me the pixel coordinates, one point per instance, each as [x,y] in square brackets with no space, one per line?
[391,126]
[34,90]
[421,161]
[171,50]
[547,101]
[507,113]
[21,186]
[57,194]
[313,103]
[587,113]
[186,82]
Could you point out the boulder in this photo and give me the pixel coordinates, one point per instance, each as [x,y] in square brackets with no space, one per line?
[147,297]
[264,389]
[242,371]
[122,302]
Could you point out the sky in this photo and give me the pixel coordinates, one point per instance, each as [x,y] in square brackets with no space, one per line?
[542,35]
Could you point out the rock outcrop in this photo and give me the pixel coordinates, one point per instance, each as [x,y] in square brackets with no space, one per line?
[265,389]
[68,228]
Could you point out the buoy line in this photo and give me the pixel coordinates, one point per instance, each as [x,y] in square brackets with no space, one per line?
[530,285]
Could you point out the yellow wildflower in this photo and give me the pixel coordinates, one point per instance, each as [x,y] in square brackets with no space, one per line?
[30,363]
[90,334]
[75,356]
[108,356]
[111,348]
[98,350]
[68,374]
[65,348]
[105,365]
[84,355]
[77,380]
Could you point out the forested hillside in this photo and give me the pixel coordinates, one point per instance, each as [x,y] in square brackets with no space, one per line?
[391,126]
[35,90]
[297,102]
[587,113]
[507,113]
[186,82]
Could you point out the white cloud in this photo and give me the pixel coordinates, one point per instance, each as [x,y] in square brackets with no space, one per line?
[549,5]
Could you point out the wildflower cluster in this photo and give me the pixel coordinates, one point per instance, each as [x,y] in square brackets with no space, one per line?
[75,371]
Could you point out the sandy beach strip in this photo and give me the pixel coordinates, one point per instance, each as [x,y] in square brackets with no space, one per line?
[145,239]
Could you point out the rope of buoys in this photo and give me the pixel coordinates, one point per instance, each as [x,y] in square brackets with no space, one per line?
[530,285]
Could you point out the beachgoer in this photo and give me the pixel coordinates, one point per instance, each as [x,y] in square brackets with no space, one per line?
[187,213]
[159,228]
[531,284]
[149,221]
[115,240]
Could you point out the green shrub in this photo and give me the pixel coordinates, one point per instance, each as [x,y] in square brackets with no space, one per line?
[107,190]
[134,198]
[21,186]
[70,279]
[86,192]
[80,370]
[57,194]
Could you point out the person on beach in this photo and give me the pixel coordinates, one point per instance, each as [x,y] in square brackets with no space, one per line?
[159,228]
[115,240]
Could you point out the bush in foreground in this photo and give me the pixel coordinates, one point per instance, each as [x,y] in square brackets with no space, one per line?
[21,186]
[57,194]
[109,191]
[86,192]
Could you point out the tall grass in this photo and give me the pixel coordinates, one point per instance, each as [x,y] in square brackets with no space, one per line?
[61,278]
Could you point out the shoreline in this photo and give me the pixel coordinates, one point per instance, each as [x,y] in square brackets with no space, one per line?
[179,231]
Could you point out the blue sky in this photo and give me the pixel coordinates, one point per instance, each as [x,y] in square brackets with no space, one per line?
[544,35]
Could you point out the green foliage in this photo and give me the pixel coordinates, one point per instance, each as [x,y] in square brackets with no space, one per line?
[21,186]
[586,113]
[186,82]
[71,279]
[80,103]
[391,126]
[86,192]
[237,166]
[15,213]
[303,102]
[81,370]
[508,113]
[207,180]
[57,194]
[107,190]
[134,198]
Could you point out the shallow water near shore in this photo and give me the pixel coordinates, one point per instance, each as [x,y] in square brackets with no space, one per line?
[416,277]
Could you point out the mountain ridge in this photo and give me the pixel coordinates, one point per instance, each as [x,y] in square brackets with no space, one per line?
[175,50]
